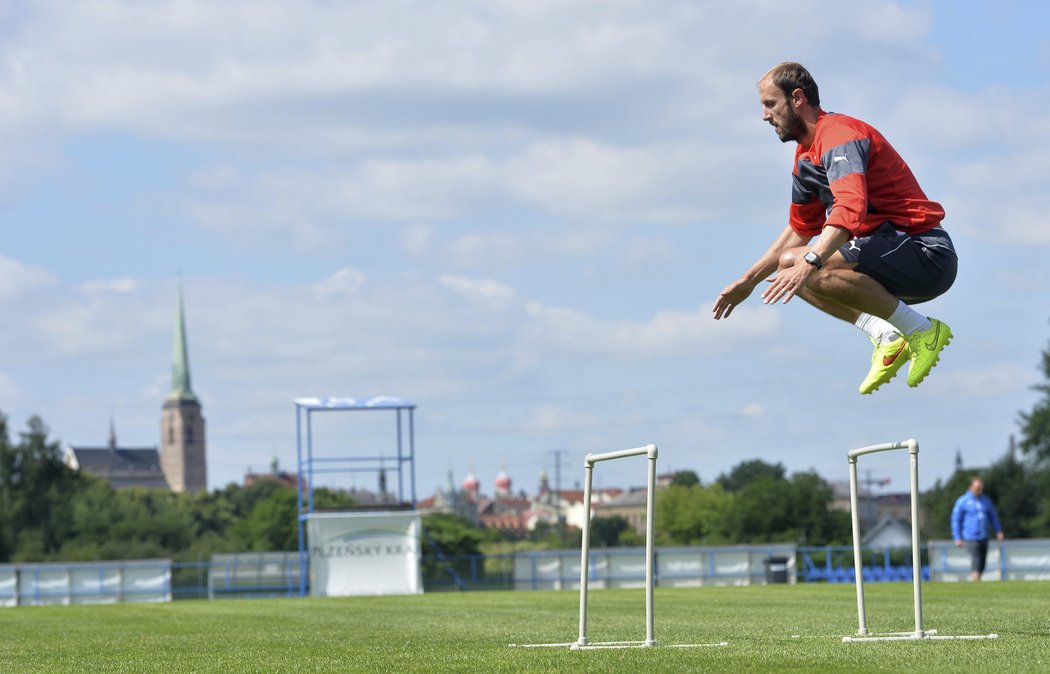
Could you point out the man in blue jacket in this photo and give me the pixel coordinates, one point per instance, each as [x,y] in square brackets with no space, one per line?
[973,518]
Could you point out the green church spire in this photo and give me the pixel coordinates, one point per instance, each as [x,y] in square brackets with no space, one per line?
[180,359]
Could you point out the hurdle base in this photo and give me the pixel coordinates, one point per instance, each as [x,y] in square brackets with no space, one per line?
[858,635]
[600,645]
[928,635]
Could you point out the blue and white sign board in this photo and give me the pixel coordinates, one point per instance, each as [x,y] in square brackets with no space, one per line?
[366,553]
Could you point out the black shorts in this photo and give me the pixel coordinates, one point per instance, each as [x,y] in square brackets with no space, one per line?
[978,554]
[913,268]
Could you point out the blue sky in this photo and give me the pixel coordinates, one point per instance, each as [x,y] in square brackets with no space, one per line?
[516,215]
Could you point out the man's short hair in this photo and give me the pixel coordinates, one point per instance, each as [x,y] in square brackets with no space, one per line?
[789,76]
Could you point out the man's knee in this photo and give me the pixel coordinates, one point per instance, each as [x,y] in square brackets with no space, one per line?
[788,258]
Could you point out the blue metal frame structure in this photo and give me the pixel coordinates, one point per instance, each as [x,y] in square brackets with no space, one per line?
[404,412]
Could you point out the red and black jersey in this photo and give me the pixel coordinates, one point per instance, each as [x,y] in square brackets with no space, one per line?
[851,177]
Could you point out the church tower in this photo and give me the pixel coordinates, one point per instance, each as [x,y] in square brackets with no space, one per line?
[182,444]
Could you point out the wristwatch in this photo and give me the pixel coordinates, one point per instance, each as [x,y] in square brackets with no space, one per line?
[813,259]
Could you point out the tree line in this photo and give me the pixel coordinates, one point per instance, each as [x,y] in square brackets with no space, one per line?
[49,512]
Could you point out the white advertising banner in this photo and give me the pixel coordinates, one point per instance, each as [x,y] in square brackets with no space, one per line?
[364,553]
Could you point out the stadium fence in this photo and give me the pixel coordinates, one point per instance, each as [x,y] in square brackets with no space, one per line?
[276,574]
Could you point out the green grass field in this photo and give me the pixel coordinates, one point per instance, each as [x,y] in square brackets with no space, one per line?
[446,632]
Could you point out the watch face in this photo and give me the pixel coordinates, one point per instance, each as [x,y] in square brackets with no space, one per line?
[812,258]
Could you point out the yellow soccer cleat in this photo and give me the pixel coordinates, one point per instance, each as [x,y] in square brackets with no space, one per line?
[925,347]
[886,359]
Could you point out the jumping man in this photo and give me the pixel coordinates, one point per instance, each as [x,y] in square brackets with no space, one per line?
[881,247]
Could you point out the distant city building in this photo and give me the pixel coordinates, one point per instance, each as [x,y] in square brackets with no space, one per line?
[875,508]
[122,467]
[867,508]
[283,478]
[889,532]
[460,502]
[181,463]
[471,485]
[514,515]
[630,505]
[503,484]
[505,514]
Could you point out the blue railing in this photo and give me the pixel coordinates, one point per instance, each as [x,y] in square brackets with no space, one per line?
[834,564]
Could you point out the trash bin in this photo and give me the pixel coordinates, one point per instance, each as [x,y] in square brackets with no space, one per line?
[776,570]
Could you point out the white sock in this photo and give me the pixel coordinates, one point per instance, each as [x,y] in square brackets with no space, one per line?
[877,328]
[907,320]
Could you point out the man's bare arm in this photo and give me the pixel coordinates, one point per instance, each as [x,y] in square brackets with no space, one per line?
[739,290]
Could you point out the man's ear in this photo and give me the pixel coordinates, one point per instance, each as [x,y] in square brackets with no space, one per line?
[798,97]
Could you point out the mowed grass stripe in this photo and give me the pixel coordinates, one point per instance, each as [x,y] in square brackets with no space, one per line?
[445,632]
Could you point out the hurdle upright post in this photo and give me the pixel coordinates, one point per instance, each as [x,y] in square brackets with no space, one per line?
[858,564]
[916,555]
[585,547]
[650,556]
[651,452]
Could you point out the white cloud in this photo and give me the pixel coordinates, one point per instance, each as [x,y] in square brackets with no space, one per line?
[122,285]
[416,239]
[582,177]
[312,206]
[1003,200]
[1023,221]
[482,248]
[484,290]
[667,333]
[99,323]
[753,411]
[191,64]
[546,418]
[17,278]
[942,117]
[894,24]
[986,382]
[343,282]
